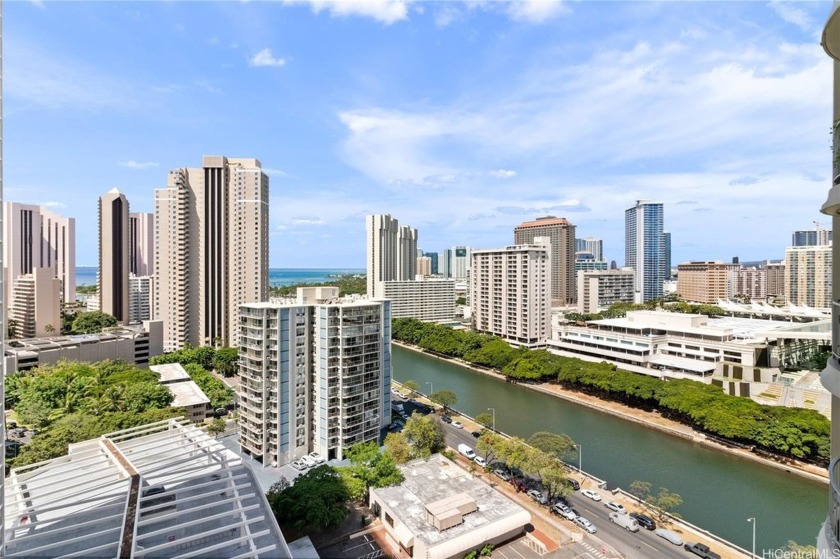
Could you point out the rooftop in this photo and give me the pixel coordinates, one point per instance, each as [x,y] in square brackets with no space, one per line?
[544,222]
[160,490]
[187,393]
[170,372]
[428,482]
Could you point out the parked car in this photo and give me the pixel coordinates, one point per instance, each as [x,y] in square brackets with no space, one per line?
[465,450]
[537,496]
[310,463]
[457,424]
[701,550]
[585,524]
[564,510]
[669,536]
[594,495]
[615,507]
[625,521]
[480,461]
[220,412]
[299,465]
[476,434]
[501,474]
[573,483]
[446,419]
[317,458]
[644,521]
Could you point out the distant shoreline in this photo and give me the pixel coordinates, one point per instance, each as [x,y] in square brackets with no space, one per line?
[277,277]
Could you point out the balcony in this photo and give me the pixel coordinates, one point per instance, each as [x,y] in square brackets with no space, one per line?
[829,538]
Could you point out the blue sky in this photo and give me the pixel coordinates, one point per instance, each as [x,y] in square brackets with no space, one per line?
[461,119]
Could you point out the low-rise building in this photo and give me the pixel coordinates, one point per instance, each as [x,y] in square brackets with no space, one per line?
[598,289]
[431,300]
[132,344]
[188,395]
[441,512]
[166,489]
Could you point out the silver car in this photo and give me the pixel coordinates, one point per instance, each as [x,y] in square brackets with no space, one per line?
[585,524]
[668,535]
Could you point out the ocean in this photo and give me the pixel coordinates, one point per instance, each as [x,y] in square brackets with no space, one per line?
[86,275]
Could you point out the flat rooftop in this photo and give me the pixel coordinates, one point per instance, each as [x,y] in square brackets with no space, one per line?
[170,372]
[429,481]
[187,393]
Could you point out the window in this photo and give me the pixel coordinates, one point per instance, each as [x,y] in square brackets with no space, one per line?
[389,520]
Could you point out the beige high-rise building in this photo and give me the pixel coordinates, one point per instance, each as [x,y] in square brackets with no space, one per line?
[391,252]
[510,292]
[211,254]
[563,246]
[751,284]
[113,255]
[35,237]
[775,279]
[35,309]
[808,276]
[707,281]
[424,266]
[141,244]
[598,289]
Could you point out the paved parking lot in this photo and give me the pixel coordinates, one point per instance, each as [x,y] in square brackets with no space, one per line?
[361,547]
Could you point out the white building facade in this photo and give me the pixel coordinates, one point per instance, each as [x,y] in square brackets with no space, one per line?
[598,289]
[315,376]
[391,252]
[808,276]
[430,300]
[510,292]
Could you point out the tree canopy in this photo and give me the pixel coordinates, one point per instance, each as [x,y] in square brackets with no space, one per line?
[92,322]
[198,361]
[316,499]
[445,398]
[425,435]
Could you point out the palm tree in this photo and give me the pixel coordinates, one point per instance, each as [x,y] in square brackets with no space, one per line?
[11,329]
[49,328]
[70,405]
[113,399]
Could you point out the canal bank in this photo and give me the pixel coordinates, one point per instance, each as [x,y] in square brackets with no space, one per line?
[649,419]
[719,490]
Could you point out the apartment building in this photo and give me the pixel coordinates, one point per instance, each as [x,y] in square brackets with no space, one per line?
[36,237]
[808,276]
[811,237]
[315,375]
[391,252]
[593,246]
[431,300]
[598,289]
[645,247]
[211,254]
[141,298]
[707,281]
[750,283]
[776,280]
[510,292]
[35,309]
[561,242]
[424,266]
[113,274]
[141,244]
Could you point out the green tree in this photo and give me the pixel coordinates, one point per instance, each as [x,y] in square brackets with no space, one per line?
[397,446]
[92,322]
[559,446]
[640,489]
[411,386]
[216,427]
[49,328]
[11,329]
[461,301]
[554,478]
[488,445]
[317,499]
[425,434]
[374,468]
[660,504]
[485,419]
[445,398]
[226,361]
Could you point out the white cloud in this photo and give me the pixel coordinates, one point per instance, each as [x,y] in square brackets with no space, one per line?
[272,172]
[38,4]
[536,11]
[502,174]
[793,14]
[308,220]
[265,58]
[140,166]
[384,11]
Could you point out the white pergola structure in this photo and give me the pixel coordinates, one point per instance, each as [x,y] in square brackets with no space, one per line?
[166,489]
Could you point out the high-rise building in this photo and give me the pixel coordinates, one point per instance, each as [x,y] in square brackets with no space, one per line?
[706,281]
[460,262]
[808,276]
[433,256]
[775,279]
[113,255]
[751,283]
[562,236]
[315,374]
[35,237]
[810,238]
[211,254]
[446,263]
[598,289]
[666,246]
[424,266]
[141,298]
[35,309]
[593,246]
[585,260]
[141,244]
[510,292]
[644,249]
[391,252]
[430,300]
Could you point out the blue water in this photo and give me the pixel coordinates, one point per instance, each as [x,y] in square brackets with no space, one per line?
[86,275]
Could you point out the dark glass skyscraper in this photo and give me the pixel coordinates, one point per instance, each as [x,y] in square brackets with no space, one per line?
[644,248]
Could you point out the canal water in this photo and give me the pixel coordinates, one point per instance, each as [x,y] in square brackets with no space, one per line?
[719,491]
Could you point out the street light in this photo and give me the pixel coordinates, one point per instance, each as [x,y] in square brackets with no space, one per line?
[431,389]
[580,458]
[752,521]
[494,418]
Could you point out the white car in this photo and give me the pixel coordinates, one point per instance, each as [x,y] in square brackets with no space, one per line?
[668,535]
[615,507]
[480,461]
[317,458]
[310,463]
[565,511]
[594,495]
[298,465]
[457,424]
[585,524]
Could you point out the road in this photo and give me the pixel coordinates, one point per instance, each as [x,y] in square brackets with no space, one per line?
[643,544]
